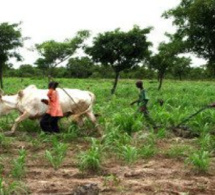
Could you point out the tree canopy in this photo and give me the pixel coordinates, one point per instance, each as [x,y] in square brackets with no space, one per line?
[120,50]
[10,40]
[195,20]
[80,67]
[53,53]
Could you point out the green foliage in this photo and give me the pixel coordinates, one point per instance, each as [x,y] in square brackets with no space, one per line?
[147,150]
[90,160]
[128,122]
[57,154]
[12,188]
[181,67]
[29,126]
[128,153]
[161,133]
[207,142]
[111,180]
[179,151]
[4,141]
[80,67]
[88,70]
[199,160]
[71,134]
[18,170]
[120,50]
[195,23]
[115,138]
[167,60]
[54,53]
[10,39]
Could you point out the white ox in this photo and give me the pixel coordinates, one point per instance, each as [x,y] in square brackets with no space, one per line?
[74,102]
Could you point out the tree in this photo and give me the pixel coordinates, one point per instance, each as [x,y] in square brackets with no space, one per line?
[196,23]
[53,53]
[120,50]
[198,73]
[181,67]
[10,39]
[26,70]
[80,67]
[164,60]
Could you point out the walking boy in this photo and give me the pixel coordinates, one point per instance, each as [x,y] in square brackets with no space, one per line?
[143,99]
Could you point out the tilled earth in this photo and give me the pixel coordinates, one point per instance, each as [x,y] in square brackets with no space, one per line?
[158,175]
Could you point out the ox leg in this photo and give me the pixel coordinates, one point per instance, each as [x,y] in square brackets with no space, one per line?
[92,117]
[21,118]
[80,121]
[77,119]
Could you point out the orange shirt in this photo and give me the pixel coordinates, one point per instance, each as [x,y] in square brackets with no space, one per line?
[54,108]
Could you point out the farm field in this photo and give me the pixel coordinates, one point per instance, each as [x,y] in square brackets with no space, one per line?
[130,158]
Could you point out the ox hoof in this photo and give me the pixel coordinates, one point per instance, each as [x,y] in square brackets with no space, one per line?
[8,133]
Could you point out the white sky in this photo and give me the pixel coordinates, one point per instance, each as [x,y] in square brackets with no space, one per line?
[60,19]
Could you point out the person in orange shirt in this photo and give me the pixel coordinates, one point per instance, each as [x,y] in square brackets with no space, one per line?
[49,122]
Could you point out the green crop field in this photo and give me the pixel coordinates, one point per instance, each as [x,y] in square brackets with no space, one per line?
[130,149]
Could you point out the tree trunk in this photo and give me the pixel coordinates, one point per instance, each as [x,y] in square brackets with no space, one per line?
[1,76]
[115,83]
[180,76]
[214,70]
[160,80]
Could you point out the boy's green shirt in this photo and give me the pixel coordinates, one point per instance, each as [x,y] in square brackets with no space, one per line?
[143,98]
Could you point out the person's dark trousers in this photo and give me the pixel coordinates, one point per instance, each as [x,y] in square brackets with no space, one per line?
[49,124]
[54,124]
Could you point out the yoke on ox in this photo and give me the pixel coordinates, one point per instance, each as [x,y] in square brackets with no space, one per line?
[74,102]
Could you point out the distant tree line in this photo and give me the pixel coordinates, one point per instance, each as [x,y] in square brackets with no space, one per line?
[84,68]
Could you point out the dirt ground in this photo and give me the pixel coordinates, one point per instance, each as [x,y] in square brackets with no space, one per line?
[158,175]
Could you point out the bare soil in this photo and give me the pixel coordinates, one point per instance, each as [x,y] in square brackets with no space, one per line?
[158,175]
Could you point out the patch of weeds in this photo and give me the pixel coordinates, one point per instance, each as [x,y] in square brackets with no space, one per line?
[71,134]
[5,122]
[36,144]
[161,133]
[206,142]
[12,188]
[111,181]
[44,137]
[90,160]
[147,151]
[57,154]
[18,170]
[127,122]
[200,160]
[1,166]
[114,139]
[128,153]
[148,147]
[4,141]
[29,126]
[178,151]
